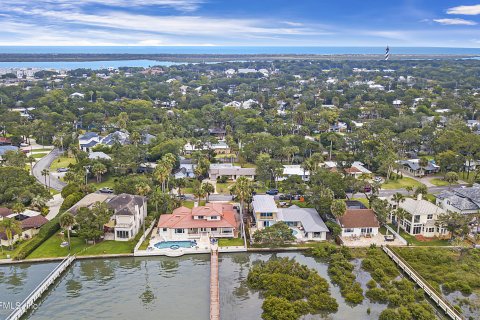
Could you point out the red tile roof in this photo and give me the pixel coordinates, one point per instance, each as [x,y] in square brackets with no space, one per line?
[359,218]
[182,218]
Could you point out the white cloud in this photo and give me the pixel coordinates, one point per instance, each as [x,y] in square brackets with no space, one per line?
[455,22]
[465,10]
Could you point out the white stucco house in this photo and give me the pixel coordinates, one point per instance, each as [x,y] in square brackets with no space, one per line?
[129,213]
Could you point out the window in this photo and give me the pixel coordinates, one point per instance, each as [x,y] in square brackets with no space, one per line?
[348,230]
[213,229]
[266,215]
[164,229]
[266,223]
[214,218]
[317,234]
[123,234]
[179,231]
[200,217]
[416,219]
[366,230]
[429,216]
[430,229]
[417,229]
[203,229]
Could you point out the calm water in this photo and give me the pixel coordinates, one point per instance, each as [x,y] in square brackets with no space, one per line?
[94,65]
[158,288]
[237,50]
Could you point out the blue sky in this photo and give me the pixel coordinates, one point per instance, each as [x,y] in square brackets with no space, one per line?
[240,22]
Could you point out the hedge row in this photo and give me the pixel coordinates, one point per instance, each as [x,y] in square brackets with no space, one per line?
[46,231]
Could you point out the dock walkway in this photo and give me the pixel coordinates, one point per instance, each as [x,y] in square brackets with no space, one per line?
[214,287]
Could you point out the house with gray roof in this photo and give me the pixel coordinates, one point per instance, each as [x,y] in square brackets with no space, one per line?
[421,219]
[88,140]
[129,213]
[306,223]
[230,171]
[462,200]
[264,210]
[413,167]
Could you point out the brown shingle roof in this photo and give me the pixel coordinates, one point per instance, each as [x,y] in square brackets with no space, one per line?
[359,218]
[34,222]
[5,212]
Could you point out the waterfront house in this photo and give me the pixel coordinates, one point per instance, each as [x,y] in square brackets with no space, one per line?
[421,218]
[359,222]
[30,227]
[264,210]
[462,200]
[212,220]
[306,223]
[129,213]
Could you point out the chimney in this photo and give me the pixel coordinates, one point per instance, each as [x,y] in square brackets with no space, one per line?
[419,197]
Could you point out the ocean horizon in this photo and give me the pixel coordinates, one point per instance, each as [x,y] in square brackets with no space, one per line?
[233,50]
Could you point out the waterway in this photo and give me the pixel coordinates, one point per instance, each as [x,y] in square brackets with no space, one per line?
[94,65]
[158,288]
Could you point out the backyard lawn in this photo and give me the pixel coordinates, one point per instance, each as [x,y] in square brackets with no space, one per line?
[414,241]
[401,183]
[234,242]
[106,182]
[189,203]
[62,162]
[51,248]
[224,188]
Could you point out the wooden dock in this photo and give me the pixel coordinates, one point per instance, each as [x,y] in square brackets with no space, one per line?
[40,289]
[422,283]
[214,287]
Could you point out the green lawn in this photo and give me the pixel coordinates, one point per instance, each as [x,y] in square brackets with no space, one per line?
[438,182]
[189,203]
[51,248]
[107,182]
[234,242]
[245,165]
[62,162]
[463,176]
[401,183]
[224,187]
[39,155]
[413,241]
[362,200]
[42,149]
[5,251]
[430,197]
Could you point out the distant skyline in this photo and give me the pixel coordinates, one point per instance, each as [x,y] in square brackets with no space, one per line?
[406,23]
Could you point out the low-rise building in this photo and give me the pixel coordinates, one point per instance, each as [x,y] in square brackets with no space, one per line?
[306,223]
[413,167]
[212,220]
[88,140]
[421,219]
[462,200]
[358,223]
[230,171]
[264,210]
[129,213]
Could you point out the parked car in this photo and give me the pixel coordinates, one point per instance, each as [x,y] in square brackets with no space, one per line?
[377,179]
[106,190]
[62,170]
[182,197]
[272,192]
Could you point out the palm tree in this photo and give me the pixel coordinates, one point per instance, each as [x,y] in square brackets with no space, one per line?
[397,198]
[18,207]
[208,188]
[10,227]
[143,189]
[242,189]
[401,214]
[409,189]
[45,173]
[38,202]
[67,221]
[198,190]
[99,169]
[161,173]
[180,183]
[135,137]
[338,208]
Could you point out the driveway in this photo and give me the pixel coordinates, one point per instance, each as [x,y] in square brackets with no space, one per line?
[54,206]
[44,163]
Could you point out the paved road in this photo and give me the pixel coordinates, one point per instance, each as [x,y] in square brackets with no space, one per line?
[44,163]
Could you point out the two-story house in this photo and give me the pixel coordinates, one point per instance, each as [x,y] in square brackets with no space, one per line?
[129,213]
[264,210]
[214,219]
[421,218]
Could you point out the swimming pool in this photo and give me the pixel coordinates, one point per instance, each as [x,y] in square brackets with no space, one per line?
[175,244]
